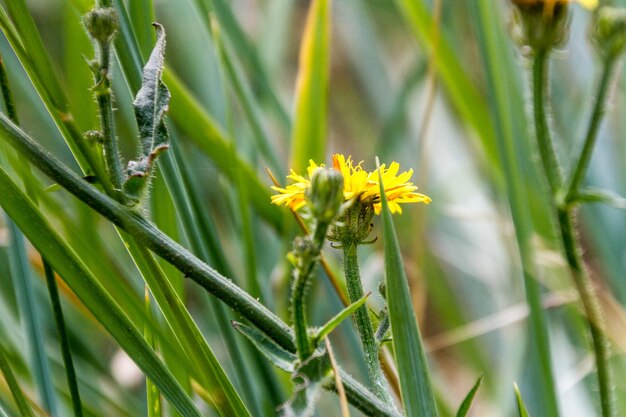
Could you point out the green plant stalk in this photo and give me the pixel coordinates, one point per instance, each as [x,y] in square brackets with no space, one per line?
[148,235]
[565,215]
[549,159]
[153,396]
[66,351]
[104,99]
[364,323]
[582,162]
[301,284]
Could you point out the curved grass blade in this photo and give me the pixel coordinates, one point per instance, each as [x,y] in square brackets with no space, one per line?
[469,398]
[90,292]
[309,128]
[16,391]
[30,314]
[417,393]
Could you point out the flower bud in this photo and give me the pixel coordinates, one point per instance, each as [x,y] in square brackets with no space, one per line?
[540,24]
[325,194]
[609,31]
[101,23]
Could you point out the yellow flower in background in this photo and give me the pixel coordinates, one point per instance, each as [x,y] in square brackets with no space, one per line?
[358,184]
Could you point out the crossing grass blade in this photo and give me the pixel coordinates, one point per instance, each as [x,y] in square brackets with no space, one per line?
[309,128]
[416,388]
[82,282]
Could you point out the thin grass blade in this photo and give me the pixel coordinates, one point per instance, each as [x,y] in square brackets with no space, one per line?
[16,391]
[469,398]
[416,388]
[309,128]
[521,407]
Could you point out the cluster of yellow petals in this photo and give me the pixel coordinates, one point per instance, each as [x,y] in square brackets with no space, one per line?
[357,183]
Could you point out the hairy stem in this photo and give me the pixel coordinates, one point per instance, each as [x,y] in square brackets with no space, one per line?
[364,323]
[549,159]
[582,163]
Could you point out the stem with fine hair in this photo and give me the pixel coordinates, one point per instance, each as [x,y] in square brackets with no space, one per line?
[582,162]
[363,322]
[565,215]
[549,159]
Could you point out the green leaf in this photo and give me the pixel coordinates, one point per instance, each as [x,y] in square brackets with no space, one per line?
[521,407]
[16,391]
[278,356]
[338,319]
[151,103]
[417,394]
[469,398]
[593,195]
[309,129]
[90,292]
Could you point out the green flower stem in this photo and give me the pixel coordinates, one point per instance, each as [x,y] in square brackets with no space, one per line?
[147,234]
[104,99]
[65,343]
[565,215]
[302,274]
[582,163]
[549,159]
[364,323]
[595,317]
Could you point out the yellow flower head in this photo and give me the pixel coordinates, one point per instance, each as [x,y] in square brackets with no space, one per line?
[357,184]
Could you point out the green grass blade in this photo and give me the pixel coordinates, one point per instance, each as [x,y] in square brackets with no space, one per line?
[309,128]
[521,407]
[81,281]
[16,391]
[30,314]
[153,396]
[417,393]
[327,328]
[64,341]
[224,396]
[469,398]
[507,123]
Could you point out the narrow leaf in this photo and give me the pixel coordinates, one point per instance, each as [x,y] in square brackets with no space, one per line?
[521,407]
[469,398]
[90,292]
[339,318]
[16,391]
[593,195]
[277,355]
[308,378]
[417,394]
[30,315]
[309,129]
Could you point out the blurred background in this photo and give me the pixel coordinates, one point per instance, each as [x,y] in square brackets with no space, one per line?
[408,88]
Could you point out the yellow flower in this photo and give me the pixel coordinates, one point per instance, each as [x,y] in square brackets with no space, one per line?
[549,4]
[358,184]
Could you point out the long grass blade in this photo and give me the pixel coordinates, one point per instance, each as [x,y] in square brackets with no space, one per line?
[30,314]
[82,282]
[16,391]
[309,130]
[417,393]
[469,398]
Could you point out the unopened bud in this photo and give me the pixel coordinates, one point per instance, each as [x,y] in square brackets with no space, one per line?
[101,23]
[325,194]
[541,24]
[609,31]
